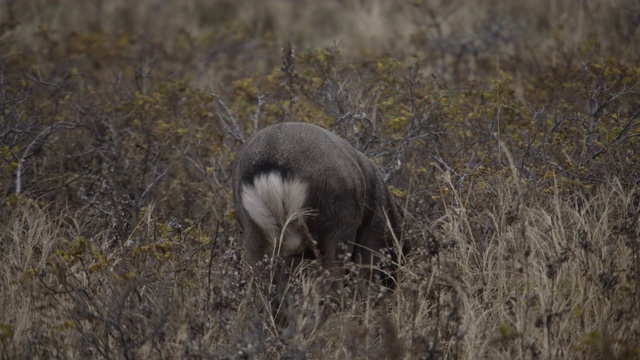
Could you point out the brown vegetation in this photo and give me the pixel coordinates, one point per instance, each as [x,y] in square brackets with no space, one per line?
[509,133]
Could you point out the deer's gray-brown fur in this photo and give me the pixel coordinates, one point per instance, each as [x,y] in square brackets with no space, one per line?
[319,189]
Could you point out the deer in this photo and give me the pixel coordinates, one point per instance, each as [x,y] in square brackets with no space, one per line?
[302,192]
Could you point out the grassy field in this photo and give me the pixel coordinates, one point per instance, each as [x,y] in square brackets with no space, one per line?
[508,131]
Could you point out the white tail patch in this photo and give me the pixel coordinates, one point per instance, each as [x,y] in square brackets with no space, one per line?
[276,205]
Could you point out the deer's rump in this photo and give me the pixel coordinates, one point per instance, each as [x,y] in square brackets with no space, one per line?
[301,189]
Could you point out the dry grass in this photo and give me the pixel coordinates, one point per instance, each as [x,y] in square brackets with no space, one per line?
[555,279]
[509,134]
